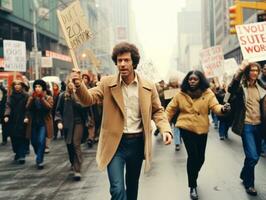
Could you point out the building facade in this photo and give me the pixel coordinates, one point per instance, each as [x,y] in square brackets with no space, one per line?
[215,26]
[17,24]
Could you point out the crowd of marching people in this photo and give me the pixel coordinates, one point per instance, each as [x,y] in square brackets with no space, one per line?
[124,105]
[39,115]
[245,95]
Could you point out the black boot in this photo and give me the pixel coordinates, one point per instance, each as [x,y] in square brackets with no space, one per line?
[90,143]
[194,194]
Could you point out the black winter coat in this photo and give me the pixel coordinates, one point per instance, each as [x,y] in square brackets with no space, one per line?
[16,112]
[238,90]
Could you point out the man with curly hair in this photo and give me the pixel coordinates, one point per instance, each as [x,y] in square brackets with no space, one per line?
[129,105]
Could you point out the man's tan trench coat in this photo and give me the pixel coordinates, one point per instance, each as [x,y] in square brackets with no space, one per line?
[109,92]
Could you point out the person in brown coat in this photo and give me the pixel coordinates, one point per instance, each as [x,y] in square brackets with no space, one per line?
[39,119]
[70,117]
[129,105]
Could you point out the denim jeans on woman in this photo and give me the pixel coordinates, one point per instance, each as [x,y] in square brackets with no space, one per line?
[176,132]
[251,139]
[38,138]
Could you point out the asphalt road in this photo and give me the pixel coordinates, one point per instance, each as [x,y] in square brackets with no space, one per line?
[167,179]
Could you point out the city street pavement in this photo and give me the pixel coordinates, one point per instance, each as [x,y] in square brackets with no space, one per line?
[167,179]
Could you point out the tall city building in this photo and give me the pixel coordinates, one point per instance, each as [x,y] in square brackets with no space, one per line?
[189,37]
[215,26]
[97,49]
[120,19]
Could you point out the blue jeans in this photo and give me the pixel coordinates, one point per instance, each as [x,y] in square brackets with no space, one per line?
[129,154]
[223,128]
[38,137]
[251,139]
[263,146]
[176,132]
[215,119]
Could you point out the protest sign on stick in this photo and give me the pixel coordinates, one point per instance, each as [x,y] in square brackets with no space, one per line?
[75,29]
[252,40]
[14,56]
[212,61]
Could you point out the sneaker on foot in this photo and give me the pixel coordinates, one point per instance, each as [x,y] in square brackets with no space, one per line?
[177,147]
[251,191]
[47,150]
[90,143]
[263,154]
[40,165]
[21,161]
[77,176]
[222,138]
[194,194]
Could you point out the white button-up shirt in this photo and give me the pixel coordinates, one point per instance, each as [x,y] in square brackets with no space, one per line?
[133,123]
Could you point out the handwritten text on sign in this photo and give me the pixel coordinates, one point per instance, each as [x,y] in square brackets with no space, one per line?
[212,61]
[252,39]
[14,55]
[73,21]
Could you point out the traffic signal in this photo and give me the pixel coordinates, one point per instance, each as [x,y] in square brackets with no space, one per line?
[235,16]
[261,17]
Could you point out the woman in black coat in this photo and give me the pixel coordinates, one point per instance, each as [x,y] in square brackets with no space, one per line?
[15,118]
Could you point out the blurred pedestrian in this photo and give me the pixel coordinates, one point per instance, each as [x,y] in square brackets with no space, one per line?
[56,92]
[173,85]
[225,121]
[3,99]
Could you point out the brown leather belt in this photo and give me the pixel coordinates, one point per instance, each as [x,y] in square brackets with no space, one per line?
[132,135]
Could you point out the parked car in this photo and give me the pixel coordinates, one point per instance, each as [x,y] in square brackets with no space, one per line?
[52,79]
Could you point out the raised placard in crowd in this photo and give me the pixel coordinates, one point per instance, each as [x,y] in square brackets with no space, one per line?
[149,71]
[212,61]
[14,56]
[230,66]
[252,40]
[169,94]
[73,22]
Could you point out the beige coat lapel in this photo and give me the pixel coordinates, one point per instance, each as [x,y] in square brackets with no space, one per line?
[116,92]
[144,100]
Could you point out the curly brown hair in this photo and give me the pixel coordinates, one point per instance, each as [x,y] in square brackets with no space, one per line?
[125,47]
[247,70]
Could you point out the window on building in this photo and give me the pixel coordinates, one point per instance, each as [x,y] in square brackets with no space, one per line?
[16,32]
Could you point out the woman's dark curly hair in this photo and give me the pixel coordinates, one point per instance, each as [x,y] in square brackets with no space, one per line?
[125,47]
[203,82]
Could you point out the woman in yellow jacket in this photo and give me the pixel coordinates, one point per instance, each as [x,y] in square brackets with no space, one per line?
[193,103]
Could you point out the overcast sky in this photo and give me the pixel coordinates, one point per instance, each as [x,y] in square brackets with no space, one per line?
[156,22]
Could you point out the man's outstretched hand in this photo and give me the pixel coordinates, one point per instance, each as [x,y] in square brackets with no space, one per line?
[76,78]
